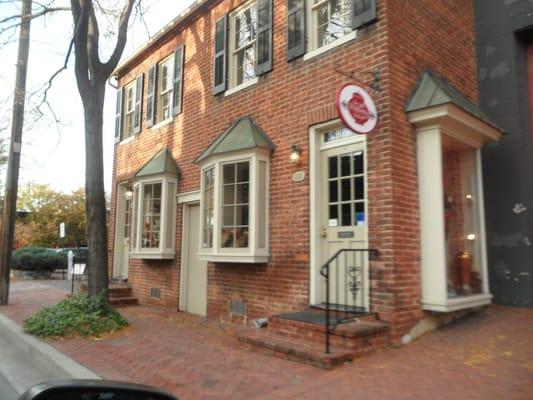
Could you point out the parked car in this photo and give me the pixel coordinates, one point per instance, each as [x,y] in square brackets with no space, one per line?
[78,389]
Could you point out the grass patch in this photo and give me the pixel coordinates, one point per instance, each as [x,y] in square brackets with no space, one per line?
[79,315]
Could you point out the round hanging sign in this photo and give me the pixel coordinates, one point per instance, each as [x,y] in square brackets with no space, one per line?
[356,108]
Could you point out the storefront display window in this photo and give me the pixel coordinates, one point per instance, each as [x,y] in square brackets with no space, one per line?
[461,211]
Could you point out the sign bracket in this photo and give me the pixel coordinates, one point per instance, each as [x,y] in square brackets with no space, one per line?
[375,85]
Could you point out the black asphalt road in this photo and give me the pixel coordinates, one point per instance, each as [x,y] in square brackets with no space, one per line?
[6,391]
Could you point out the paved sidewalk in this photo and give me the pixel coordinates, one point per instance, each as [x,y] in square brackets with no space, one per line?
[486,356]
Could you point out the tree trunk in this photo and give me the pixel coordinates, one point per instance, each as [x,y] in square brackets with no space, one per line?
[93,104]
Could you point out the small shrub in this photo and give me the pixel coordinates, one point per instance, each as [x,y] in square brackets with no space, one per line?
[38,259]
[78,315]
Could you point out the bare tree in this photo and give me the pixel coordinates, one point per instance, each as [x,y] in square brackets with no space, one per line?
[91,77]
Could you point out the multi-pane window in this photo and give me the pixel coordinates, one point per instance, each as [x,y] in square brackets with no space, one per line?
[338,134]
[346,189]
[151,215]
[165,85]
[208,207]
[235,204]
[243,44]
[330,20]
[129,110]
[127,218]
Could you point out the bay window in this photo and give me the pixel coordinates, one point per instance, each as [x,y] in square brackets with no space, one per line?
[234,201]
[154,209]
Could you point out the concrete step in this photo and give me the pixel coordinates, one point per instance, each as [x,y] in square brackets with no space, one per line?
[286,348]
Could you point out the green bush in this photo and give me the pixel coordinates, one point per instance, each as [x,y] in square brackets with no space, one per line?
[78,315]
[38,259]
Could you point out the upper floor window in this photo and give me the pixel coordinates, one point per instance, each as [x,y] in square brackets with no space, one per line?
[164,98]
[243,45]
[321,24]
[243,33]
[165,88]
[330,20]
[129,109]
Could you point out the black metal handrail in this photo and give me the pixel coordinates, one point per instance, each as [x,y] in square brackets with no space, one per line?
[353,281]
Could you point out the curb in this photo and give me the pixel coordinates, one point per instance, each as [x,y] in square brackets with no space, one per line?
[26,360]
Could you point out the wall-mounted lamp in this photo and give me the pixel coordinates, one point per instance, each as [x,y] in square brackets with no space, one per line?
[296,154]
[128,195]
[471,236]
[469,197]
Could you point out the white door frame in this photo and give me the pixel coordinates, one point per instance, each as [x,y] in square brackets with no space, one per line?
[315,179]
[119,228]
[187,199]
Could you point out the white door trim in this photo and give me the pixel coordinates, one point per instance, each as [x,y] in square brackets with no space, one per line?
[191,202]
[315,179]
[119,227]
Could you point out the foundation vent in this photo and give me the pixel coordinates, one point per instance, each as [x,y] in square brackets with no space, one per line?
[155,293]
[237,307]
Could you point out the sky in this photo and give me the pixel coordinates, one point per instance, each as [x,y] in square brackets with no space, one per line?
[54,153]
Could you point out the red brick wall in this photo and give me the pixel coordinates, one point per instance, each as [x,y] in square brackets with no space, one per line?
[423,34]
[285,103]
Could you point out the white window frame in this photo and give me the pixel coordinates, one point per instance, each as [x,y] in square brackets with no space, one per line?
[313,49]
[168,62]
[257,224]
[234,52]
[167,218]
[129,114]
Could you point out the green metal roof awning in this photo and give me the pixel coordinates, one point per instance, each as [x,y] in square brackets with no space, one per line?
[161,163]
[242,134]
[433,90]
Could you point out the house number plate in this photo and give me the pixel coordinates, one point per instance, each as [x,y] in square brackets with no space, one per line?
[345,235]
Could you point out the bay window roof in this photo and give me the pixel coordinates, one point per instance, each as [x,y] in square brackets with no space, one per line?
[161,164]
[242,134]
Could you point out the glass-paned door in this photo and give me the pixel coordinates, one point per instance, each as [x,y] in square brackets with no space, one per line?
[344,224]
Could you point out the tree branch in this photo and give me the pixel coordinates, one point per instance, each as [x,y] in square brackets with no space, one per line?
[80,13]
[93,37]
[122,36]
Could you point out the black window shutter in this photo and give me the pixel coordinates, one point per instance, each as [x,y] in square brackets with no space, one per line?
[139,86]
[295,29]
[220,61]
[150,96]
[118,115]
[179,57]
[264,37]
[363,12]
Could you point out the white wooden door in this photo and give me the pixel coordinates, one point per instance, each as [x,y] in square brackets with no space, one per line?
[344,223]
[195,269]
[122,235]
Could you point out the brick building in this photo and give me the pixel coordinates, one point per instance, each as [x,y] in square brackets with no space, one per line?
[235,180]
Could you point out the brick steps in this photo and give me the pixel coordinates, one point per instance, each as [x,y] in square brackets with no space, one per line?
[305,341]
[120,295]
[296,351]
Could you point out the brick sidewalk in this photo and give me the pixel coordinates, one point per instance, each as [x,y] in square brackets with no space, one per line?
[486,356]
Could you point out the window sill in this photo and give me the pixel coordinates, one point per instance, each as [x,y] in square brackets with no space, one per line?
[234,258]
[162,123]
[459,303]
[321,50]
[144,255]
[242,86]
[127,140]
